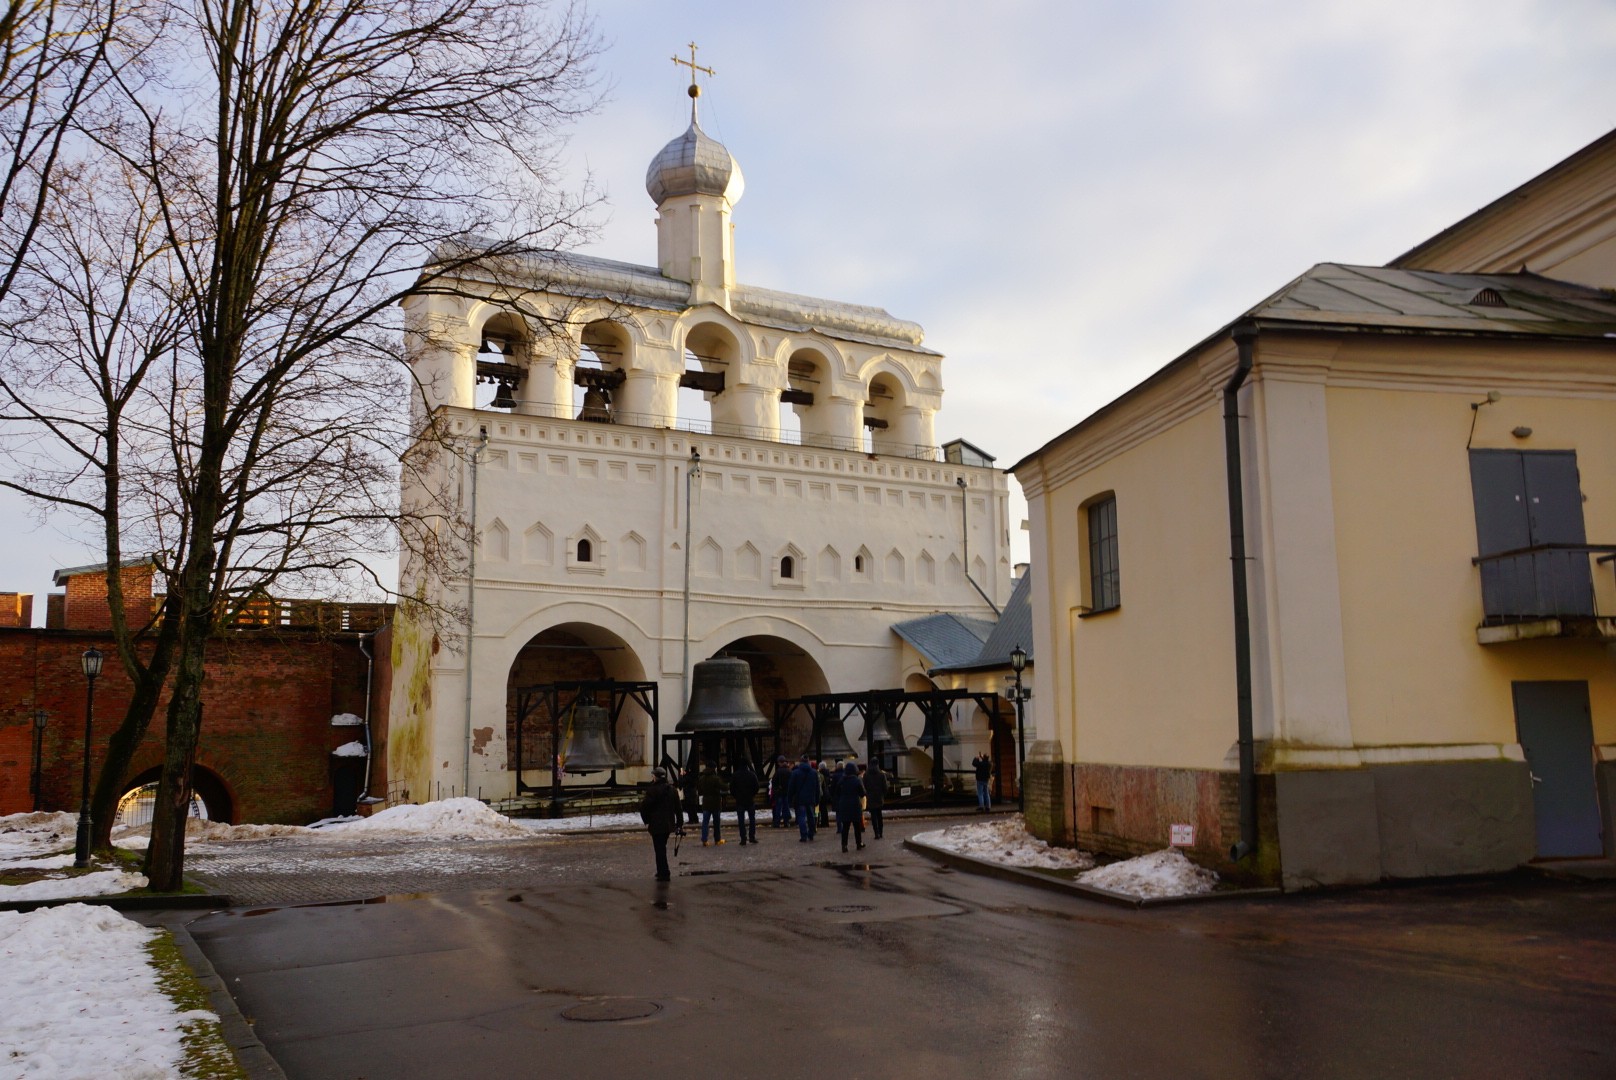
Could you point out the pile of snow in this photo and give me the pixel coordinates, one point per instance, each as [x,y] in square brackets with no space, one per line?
[462,818]
[201,829]
[1161,873]
[347,719]
[26,836]
[58,886]
[1006,841]
[81,994]
[351,749]
[585,821]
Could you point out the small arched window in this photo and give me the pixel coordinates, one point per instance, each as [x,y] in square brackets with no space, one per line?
[586,551]
[788,567]
[858,564]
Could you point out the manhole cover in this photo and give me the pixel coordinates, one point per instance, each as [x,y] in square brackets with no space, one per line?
[849,909]
[595,1012]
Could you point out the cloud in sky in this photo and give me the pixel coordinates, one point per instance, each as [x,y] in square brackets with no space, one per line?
[1067,195]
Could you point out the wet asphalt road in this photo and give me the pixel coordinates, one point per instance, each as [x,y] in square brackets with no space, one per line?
[814,964]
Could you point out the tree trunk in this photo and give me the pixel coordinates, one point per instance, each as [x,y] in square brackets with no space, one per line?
[120,752]
[165,857]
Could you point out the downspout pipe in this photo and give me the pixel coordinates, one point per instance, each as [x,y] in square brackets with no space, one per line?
[965,545]
[1245,340]
[471,605]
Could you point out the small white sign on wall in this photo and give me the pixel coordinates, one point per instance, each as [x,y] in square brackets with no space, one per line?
[1183,835]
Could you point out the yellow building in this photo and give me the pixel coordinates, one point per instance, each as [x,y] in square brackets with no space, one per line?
[1335,586]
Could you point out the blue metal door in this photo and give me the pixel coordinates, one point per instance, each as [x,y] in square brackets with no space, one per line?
[1557,736]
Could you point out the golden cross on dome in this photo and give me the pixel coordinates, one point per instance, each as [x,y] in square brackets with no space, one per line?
[694,91]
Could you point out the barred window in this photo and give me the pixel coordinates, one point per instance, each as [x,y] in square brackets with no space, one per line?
[1105,586]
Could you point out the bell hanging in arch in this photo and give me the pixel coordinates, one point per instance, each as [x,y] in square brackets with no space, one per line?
[589,747]
[504,397]
[596,408]
[721,699]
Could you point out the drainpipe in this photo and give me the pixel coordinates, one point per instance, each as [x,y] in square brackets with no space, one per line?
[471,604]
[1245,340]
[370,670]
[690,475]
[965,546]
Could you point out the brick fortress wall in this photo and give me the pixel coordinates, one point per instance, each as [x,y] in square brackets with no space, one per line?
[268,700]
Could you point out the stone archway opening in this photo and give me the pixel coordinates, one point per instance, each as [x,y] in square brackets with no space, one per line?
[572,653]
[210,798]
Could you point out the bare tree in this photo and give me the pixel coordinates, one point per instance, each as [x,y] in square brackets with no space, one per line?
[285,176]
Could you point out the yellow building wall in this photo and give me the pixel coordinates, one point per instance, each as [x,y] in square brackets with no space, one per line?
[1151,683]
[1405,535]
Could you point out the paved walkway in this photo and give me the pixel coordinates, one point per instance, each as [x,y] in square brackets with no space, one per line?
[295,871]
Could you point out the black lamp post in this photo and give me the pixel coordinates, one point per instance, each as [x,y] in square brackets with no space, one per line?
[92,667]
[1019,694]
[38,786]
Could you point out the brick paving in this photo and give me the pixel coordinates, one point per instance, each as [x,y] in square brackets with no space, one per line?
[299,871]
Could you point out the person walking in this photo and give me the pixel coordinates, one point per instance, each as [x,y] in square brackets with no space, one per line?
[875,796]
[710,790]
[804,793]
[780,792]
[743,787]
[824,795]
[659,809]
[850,805]
[984,773]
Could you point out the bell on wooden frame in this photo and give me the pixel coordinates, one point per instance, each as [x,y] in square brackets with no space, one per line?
[589,748]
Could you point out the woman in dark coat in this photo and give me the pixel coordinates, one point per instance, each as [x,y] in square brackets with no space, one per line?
[850,805]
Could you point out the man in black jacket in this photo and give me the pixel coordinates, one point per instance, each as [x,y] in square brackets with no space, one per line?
[660,812]
[743,785]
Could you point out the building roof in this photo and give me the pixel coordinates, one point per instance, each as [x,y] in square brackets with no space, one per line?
[61,576]
[1334,297]
[1376,297]
[1014,627]
[945,638]
[1509,201]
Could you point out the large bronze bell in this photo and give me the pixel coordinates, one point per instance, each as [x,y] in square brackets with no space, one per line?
[883,729]
[939,730]
[721,699]
[589,748]
[830,737]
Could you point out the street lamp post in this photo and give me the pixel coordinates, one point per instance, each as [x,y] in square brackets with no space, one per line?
[1019,694]
[92,667]
[38,787]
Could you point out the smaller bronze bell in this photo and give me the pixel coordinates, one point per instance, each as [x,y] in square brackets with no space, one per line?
[884,730]
[589,748]
[596,408]
[504,397]
[830,736]
[939,731]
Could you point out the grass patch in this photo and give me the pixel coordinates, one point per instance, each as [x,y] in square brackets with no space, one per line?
[207,1055]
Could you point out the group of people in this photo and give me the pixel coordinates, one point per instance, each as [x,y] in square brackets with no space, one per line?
[849,791]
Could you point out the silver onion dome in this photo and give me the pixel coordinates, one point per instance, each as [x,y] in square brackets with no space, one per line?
[694,164]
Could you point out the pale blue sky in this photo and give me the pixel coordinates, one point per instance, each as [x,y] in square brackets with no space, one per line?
[1066,195]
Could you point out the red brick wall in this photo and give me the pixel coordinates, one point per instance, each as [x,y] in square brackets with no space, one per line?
[86,604]
[266,728]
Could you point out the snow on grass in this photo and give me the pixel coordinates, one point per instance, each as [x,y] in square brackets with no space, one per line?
[25,836]
[82,999]
[1006,841]
[1159,874]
